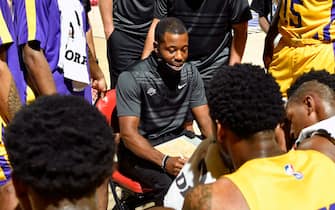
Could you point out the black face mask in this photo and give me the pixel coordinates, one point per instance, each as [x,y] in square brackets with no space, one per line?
[170,76]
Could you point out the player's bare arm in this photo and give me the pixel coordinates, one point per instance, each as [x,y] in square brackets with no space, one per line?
[270,36]
[8,94]
[199,198]
[99,82]
[238,43]
[39,73]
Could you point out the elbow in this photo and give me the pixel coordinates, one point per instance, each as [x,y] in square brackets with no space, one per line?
[126,138]
[30,58]
[29,61]
[3,65]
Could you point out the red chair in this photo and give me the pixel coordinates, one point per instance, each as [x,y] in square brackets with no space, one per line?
[107,104]
[133,194]
[94,2]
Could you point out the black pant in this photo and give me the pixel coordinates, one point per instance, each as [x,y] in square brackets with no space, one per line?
[122,50]
[145,172]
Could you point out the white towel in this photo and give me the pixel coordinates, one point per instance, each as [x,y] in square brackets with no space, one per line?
[73,55]
[327,124]
[204,167]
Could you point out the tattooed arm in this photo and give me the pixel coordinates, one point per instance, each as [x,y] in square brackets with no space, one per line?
[221,195]
[9,98]
[198,198]
[14,103]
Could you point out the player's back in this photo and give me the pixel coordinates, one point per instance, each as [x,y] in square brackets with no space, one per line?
[296,180]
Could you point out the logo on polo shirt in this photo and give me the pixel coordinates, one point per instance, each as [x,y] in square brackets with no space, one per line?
[151,91]
[181,86]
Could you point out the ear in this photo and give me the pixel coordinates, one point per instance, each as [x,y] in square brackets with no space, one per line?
[309,103]
[220,131]
[280,137]
[156,46]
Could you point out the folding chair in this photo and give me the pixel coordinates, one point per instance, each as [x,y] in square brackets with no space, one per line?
[133,194]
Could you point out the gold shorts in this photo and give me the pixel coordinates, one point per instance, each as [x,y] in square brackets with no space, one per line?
[292,59]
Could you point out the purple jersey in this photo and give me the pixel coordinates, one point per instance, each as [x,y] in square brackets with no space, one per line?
[39,20]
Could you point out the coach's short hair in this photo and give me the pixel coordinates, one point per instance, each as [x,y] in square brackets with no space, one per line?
[60,146]
[170,24]
[246,99]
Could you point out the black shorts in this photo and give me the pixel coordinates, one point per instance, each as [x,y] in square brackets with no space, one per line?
[122,50]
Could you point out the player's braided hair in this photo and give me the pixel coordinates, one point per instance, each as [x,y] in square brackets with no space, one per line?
[246,99]
[61,146]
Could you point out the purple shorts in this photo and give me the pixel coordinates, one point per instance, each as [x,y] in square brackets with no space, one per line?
[5,170]
[64,87]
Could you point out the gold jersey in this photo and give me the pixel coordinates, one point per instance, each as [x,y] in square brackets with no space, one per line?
[307,19]
[308,33]
[295,180]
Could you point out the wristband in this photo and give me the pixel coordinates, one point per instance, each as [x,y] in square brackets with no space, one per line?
[164,160]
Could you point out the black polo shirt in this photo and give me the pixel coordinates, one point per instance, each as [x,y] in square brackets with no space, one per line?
[133,16]
[262,7]
[208,22]
[141,92]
